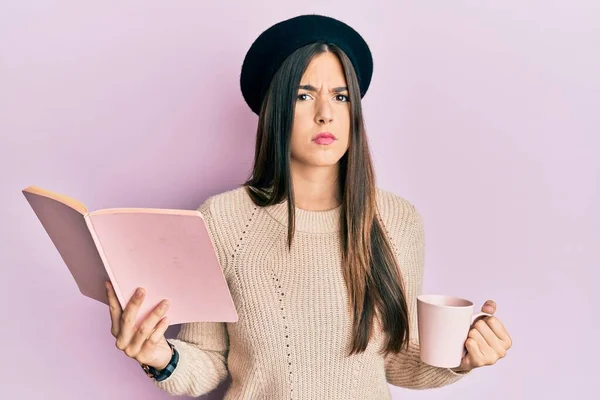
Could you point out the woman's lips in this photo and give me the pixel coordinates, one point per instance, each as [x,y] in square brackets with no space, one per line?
[324,140]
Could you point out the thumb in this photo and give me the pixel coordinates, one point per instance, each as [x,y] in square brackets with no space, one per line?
[489,307]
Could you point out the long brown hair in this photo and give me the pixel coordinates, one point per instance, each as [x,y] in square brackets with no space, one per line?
[371,273]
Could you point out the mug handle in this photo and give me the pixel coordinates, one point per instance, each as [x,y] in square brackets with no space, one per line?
[475,318]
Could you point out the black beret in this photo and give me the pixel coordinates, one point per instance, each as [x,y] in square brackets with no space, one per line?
[274,45]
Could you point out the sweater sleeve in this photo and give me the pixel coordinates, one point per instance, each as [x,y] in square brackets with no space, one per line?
[202,346]
[202,365]
[405,369]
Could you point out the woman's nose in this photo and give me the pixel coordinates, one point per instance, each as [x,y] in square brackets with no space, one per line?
[324,113]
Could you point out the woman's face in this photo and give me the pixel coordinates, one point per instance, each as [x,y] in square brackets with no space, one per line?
[322,106]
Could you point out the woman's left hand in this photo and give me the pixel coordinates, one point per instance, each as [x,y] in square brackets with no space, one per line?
[488,341]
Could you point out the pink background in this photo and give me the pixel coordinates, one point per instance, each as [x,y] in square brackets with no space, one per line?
[485,115]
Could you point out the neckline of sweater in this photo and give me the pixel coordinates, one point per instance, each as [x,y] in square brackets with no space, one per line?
[326,221]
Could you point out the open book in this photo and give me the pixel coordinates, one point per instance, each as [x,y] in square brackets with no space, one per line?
[169,253]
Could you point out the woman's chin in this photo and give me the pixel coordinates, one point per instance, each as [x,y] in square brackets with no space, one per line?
[318,160]
[328,162]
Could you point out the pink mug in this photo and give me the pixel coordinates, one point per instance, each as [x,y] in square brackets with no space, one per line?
[444,323]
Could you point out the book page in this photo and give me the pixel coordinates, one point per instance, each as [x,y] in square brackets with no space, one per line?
[171,255]
[69,233]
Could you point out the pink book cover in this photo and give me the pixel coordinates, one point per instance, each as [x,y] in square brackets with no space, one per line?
[170,253]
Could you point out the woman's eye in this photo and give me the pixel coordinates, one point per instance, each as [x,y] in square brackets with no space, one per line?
[339,97]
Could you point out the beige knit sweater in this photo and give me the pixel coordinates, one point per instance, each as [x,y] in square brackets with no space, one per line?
[294,328]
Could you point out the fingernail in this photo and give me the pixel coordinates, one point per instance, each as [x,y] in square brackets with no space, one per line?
[138,293]
[164,305]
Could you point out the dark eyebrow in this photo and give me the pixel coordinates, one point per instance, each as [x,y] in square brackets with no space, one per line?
[311,88]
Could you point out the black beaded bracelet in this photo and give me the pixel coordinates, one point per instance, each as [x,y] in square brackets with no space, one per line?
[168,370]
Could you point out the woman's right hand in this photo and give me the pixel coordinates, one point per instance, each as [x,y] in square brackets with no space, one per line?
[146,343]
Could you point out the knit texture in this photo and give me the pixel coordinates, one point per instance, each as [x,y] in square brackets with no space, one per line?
[294,329]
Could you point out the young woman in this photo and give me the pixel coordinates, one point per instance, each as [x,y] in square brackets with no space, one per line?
[323,266]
